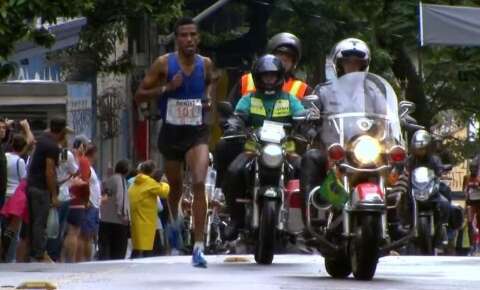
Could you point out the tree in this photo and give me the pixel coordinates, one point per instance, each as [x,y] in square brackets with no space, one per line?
[107,22]
[18,19]
[107,25]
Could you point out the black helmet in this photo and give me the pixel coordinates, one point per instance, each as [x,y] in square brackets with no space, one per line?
[286,42]
[265,64]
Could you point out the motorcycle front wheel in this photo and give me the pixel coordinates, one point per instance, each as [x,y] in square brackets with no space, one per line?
[266,233]
[365,245]
[424,243]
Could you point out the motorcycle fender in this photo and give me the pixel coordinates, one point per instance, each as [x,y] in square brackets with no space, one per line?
[270,192]
[368,194]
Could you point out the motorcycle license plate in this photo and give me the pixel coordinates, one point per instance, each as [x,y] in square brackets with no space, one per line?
[272,132]
[184,112]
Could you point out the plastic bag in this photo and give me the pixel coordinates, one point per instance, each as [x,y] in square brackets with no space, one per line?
[53,225]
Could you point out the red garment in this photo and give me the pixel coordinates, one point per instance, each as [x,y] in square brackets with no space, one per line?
[81,193]
[17,204]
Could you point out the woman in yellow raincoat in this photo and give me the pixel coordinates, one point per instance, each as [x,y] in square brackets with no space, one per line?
[143,194]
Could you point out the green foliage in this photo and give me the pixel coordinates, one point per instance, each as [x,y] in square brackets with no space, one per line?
[107,23]
[18,22]
[107,26]
[391,30]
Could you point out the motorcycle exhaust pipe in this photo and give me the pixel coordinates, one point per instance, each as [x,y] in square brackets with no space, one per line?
[320,239]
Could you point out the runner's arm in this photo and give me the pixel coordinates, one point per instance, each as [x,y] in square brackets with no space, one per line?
[210,79]
[154,83]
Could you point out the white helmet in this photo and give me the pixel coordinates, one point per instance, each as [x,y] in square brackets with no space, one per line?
[351,47]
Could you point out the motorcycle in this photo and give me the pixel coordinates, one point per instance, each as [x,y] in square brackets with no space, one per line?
[347,214]
[267,208]
[430,232]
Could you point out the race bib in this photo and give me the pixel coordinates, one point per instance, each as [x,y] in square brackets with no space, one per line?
[184,112]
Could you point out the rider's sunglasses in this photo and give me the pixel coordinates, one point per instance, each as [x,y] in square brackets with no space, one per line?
[353,53]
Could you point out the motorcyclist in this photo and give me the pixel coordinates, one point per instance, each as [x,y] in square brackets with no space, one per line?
[288,48]
[423,155]
[268,102]
[349,55]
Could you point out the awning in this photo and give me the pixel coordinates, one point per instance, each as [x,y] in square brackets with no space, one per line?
[32,101]
[449,25]
[33,93]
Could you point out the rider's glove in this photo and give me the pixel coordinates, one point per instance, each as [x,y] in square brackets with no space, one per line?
[233,126]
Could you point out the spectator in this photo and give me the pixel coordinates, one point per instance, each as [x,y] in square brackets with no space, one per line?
[15,173]
[113,234]
[42,191]
[3,161]
[66,170]
[80,192]
[89,228]
[143,195]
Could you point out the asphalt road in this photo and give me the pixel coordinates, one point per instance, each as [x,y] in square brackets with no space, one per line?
[289,272]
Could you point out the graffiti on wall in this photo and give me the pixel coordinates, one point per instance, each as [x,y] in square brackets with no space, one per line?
[79,108]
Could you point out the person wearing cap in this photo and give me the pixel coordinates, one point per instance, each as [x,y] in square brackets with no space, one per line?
[42,190]
[80,195]
[288,48]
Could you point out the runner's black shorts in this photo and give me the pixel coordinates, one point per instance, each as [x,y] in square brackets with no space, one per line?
[175,141]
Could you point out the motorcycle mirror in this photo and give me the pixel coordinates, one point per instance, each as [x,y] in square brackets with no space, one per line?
[406,107]
[225,108]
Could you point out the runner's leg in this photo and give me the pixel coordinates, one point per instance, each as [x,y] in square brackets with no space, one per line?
[197,161]
[173,171]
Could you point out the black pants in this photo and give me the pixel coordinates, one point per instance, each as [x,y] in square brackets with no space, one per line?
[38,206]
[235,186]
[313,170]
[112,241]
[225,152]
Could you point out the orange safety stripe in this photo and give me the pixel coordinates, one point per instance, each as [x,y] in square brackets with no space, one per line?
[287,86]
[301,90]
[247,84]
[291,86]
[295,87]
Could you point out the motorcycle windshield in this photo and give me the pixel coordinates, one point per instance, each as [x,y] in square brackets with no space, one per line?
[360,103]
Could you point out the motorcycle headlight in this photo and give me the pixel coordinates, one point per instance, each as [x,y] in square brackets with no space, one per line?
[420,195]
[366,150]
[272,155]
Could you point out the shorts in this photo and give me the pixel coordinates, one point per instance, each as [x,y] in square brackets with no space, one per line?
[91,222]
[175,141]
[76,216]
